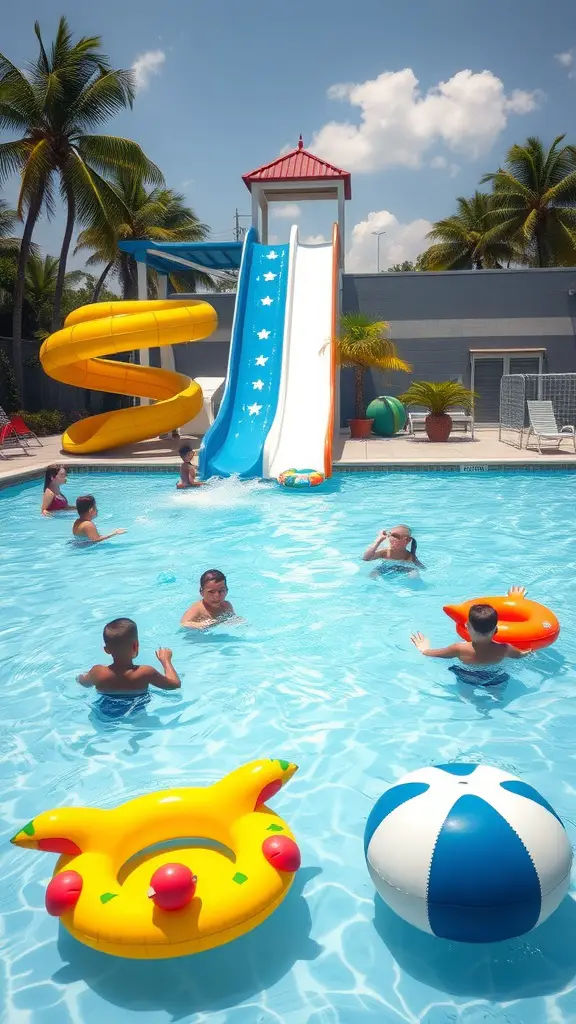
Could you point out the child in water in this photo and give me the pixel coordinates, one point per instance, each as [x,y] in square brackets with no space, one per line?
[482,650]
[84,527]
[123,686]
[213,606]
[399,537]
[188,475]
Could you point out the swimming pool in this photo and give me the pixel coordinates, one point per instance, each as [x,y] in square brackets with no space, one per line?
[323,674]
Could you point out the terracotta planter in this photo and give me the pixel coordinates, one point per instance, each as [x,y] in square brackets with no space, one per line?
[360,428]
[438,426]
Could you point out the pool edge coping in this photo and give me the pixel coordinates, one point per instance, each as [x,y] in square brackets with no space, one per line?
[21,475]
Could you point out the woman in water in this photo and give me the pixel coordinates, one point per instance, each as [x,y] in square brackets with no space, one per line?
[399,537]
[52,499]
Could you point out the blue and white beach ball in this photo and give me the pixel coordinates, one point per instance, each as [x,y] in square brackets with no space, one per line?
[467,852]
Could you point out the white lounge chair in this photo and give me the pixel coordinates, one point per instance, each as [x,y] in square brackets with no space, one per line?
[544,427]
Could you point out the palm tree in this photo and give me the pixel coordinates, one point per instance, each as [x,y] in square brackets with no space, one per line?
[8,221]
[54,105]
[460,241]
[533,205]
[363,344]
[159,214]
[41,279]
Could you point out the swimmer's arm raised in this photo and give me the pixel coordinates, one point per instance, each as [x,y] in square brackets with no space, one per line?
[423,645]
[372,552]
[170,680]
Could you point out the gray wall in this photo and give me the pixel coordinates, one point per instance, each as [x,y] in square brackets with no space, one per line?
[437,318]
[208,358]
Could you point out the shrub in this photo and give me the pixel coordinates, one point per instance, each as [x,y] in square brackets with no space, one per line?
[9,398]
[51,421]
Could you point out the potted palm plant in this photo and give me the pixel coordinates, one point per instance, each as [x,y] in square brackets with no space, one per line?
[363,344]
[438,397]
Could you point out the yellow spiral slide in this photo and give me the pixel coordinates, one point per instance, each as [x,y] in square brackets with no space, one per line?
[72,356]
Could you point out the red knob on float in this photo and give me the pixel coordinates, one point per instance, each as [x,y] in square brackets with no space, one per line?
[282,853]
[172,886]
[63,892]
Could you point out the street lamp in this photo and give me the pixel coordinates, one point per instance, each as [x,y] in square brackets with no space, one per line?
[378,233]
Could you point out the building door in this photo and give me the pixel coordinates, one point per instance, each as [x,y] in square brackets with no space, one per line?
[487,372]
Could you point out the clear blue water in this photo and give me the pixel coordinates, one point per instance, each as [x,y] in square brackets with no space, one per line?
[323,674]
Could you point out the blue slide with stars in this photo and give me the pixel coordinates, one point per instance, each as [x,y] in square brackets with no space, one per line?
[234,445]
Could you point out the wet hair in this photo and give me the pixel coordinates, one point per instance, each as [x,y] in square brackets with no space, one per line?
[51,472]
[185,450]
[483,618]
[212,576]
[84,503]
[119,633]
[413,542]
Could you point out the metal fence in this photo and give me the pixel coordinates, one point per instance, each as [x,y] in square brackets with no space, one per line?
[517,389]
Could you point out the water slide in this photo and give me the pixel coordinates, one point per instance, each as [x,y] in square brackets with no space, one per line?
[278,406]
[235,442]
[301,434]
[72,356]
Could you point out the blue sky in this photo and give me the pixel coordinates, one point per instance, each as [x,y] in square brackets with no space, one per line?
[225,86]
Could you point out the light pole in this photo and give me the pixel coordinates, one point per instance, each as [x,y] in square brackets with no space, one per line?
[378,233]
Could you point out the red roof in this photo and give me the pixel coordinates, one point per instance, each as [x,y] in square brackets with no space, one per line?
[299,165]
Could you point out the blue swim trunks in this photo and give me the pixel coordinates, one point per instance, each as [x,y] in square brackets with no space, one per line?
[120,705]
[480,676]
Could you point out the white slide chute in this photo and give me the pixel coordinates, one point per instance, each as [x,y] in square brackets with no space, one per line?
[301,434]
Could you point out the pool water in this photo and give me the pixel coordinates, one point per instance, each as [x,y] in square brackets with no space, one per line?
[322,673]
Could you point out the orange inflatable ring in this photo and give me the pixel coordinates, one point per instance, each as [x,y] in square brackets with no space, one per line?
[525,624]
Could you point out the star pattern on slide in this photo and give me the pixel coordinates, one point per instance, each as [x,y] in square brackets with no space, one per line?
[272,255]
[269,276]
[254,410]
[263,335]
[261,360]
[258,385]
[267,301]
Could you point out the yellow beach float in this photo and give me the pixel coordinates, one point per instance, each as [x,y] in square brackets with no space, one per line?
[115,889]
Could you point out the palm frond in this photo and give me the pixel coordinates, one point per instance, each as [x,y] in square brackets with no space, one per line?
[438,396]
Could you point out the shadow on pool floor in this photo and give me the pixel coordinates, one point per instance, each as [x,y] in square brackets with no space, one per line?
[537,964]
[215,980]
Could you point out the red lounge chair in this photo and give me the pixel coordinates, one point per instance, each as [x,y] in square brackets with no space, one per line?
[26,436]
[9,440]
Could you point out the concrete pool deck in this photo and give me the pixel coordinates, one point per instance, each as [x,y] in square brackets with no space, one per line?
[394,453]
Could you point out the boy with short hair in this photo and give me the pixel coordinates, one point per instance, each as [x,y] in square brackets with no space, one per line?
[187,470]
[481,652]
[83,527]
[124,684]
[213,606]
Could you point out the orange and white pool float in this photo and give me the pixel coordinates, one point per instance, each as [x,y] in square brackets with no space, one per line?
[525,624]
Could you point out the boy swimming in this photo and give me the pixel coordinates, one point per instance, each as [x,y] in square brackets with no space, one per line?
[213,606]
[84,527]
[481,652]
[188,475]
[123,685]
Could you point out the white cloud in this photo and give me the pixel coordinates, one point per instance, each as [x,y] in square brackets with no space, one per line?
[567,60]
[286,210]
[401,242]
[398,123]
[147,65]
[440,163]
[314,239]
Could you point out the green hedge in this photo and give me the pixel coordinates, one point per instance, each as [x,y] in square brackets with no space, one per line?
[51,421]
